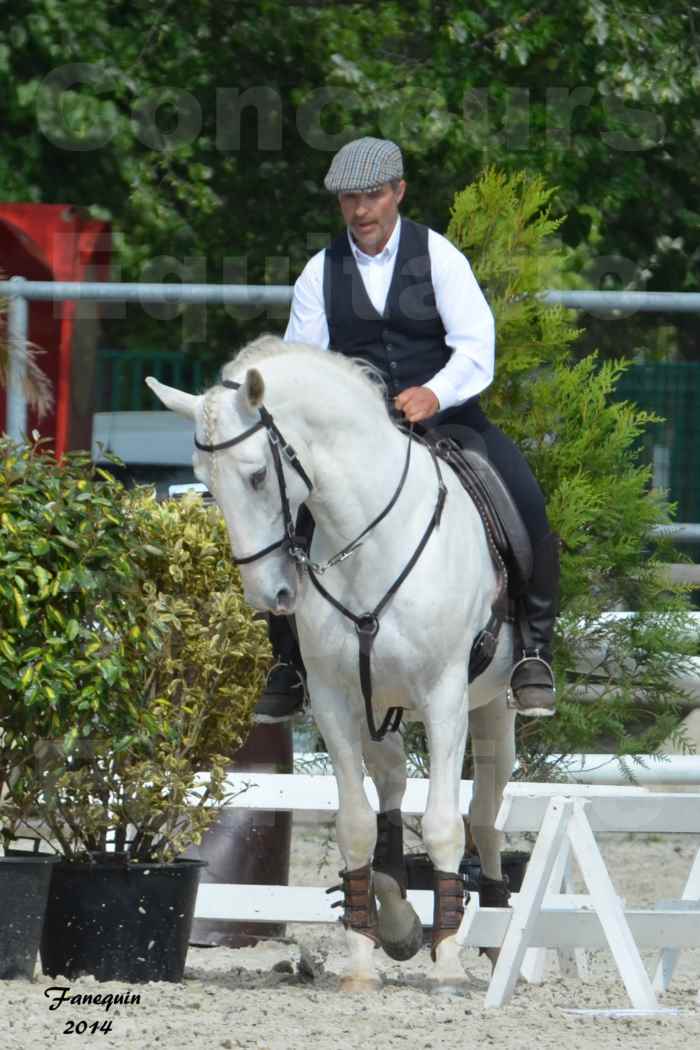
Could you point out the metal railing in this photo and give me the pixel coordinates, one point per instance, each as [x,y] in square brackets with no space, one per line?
[19,292]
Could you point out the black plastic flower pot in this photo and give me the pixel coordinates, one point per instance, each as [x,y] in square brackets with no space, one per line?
[24,889]
[420,870]
[118,921]
[419,873]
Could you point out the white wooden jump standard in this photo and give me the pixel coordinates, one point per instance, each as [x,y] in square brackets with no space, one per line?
[573,962]
[669,956]
[564,816]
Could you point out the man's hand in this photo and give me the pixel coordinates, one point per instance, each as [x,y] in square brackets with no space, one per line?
[417,403]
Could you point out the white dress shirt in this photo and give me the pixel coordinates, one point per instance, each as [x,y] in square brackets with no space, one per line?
[465,314]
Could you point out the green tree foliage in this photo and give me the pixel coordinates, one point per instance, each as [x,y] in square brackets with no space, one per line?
[129,661]
[207,128]
[582,446]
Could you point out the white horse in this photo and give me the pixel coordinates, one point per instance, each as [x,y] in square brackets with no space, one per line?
[352,457]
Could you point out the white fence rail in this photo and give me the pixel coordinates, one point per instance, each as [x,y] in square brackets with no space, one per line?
[599,769]
[564,818]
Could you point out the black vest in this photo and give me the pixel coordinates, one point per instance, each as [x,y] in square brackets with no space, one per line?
[407,342]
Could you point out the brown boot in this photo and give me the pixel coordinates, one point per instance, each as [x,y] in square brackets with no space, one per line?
[532,691]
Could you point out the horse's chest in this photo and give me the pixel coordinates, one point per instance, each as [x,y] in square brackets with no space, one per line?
[405,659]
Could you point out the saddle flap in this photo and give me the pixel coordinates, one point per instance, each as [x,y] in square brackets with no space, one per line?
[495,504]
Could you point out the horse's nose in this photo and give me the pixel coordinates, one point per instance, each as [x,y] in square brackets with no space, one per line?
[284,599]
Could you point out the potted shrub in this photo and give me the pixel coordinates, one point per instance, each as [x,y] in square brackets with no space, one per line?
[24,882]
[53,550]
[137,665]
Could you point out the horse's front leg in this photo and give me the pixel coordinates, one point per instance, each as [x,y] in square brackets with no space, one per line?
[398,926]
[356,833]
[443,827]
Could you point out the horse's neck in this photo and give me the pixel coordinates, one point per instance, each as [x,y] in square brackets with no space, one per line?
[358,468]
[356,453]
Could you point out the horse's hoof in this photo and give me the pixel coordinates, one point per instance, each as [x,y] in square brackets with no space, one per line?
[359,984]
[457,987]
[408,946]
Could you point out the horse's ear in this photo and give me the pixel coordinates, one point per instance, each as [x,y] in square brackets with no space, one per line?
[253,389]
[174,399]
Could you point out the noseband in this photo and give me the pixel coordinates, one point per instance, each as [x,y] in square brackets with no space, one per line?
[278,446]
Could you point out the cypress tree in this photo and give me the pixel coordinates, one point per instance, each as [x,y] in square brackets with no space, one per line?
[584,448]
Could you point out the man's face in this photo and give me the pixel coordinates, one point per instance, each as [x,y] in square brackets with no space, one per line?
[371,215]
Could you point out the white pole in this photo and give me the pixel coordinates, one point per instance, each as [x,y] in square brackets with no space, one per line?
[652,770]
[17,317]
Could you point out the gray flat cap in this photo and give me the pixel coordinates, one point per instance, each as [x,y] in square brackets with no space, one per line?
[364,164]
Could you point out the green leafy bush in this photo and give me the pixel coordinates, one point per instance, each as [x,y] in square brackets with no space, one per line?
[129,662]
[68,636]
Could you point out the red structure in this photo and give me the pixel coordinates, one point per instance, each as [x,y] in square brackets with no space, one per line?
[57,242]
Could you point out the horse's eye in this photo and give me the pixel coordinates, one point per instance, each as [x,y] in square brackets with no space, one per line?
[258,478]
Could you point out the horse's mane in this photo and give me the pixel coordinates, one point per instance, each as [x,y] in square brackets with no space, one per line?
[268,347]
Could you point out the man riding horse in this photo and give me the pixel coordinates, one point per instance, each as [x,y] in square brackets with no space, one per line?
[401,296]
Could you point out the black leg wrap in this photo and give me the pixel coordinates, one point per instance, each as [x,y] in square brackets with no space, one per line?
[388,852]
[493,893]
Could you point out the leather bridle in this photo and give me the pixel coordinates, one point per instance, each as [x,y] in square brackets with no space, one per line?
[366,624]
[279,447]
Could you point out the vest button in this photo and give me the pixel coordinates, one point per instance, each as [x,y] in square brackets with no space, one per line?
[393,364]
[389,347]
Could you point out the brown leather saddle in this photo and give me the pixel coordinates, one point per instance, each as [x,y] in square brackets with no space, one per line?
[508,539]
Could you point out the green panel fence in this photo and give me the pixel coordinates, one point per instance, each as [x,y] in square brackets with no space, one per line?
[121,374]
[673,447]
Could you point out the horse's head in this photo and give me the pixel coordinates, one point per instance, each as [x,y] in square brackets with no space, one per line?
[243,479]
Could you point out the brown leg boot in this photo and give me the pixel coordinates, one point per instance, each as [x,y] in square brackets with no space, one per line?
[449,898]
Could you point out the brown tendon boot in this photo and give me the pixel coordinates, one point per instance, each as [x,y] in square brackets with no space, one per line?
[532,690]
